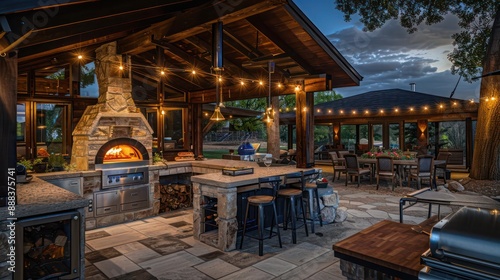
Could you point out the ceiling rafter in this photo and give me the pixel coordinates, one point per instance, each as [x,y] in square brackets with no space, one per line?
[257,22]
[193,22]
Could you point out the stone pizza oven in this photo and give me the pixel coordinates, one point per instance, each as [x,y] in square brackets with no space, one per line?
[113,130]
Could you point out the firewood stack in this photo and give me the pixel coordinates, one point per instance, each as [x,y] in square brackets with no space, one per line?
[175,196]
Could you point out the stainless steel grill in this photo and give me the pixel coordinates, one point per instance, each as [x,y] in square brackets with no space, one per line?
[112,178]
[464,245]
[125,187]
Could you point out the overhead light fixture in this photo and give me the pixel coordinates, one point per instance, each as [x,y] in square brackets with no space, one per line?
[217,43]
[217,115]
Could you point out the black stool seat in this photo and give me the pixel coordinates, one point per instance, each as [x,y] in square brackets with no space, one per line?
[261,201]
[311,190]
[293,196]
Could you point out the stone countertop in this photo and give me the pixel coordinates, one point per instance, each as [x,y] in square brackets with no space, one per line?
[211,163]
[226,181]
[66,174]
[39,197]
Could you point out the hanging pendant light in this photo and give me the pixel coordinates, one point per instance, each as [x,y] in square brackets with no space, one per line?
[217,115]
[217,43]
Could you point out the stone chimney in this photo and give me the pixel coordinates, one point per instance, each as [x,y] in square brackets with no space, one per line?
[115,115]
[412,86]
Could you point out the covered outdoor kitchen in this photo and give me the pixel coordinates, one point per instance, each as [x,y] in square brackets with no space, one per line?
[132,139]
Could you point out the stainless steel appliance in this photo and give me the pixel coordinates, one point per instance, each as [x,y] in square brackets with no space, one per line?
[116,177]
[464,245]
[123,189]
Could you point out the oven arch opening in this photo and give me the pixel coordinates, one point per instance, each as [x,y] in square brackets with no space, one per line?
[123,150]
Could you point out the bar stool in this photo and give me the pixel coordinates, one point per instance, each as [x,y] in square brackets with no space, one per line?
[261,201]
[311,188]
[292,196]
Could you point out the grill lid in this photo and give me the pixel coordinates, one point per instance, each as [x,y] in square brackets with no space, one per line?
[470,236]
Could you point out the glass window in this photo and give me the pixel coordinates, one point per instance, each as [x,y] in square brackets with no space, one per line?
[323,134]
[394,136]
[172,128]
[21,130]
[378,135]
[52,81]
[348,136]
[452,135]
[50,129]
[88,81]
[410,135]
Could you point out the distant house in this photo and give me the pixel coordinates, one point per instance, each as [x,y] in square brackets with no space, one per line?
[387,116]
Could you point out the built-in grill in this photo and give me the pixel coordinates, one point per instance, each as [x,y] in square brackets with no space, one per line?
[117,177]
[125,187]
[464,245]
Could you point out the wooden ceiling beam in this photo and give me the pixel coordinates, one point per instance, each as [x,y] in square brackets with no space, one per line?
[257,22]
[229,66]
[25,5]
[194,21]
[201,64]
[145,61]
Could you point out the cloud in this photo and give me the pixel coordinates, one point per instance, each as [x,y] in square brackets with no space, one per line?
[390,57]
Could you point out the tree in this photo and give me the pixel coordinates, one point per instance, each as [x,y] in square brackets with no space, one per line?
[477,48]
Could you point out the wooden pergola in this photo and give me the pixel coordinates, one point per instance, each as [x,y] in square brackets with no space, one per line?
[176,36]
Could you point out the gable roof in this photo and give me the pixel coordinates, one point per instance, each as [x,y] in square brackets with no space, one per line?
[390,104]
[254,32]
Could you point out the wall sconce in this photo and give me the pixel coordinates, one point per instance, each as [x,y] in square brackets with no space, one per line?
[269,115]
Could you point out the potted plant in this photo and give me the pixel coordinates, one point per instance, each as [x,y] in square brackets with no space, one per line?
[26,163]
[39,165]
[56,162]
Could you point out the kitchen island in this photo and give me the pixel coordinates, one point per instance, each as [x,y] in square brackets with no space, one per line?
[219,193]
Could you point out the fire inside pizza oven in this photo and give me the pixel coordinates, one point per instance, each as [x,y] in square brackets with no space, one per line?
[121,153]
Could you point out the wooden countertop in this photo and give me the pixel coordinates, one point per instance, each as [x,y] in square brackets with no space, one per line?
[386,246]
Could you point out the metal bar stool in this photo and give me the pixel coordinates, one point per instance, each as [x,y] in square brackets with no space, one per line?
[311,188]
[293,196]
[308,184]
[261,201]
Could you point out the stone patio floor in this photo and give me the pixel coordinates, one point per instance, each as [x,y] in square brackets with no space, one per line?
[163,247]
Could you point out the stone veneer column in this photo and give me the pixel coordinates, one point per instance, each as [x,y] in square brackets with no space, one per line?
[226,213]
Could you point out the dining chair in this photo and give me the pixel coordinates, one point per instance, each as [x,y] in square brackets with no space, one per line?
[353,169]
[425,167]
[338,166]
[342,153]
[385,169]
[442,167]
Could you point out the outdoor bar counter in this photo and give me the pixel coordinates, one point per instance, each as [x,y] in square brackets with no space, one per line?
[225,188]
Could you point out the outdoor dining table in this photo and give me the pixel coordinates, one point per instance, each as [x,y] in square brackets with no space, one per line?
[400,166]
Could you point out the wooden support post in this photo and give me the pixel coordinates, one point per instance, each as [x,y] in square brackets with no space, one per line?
[196,116]
[8,100]
[305,128]
[468,143]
